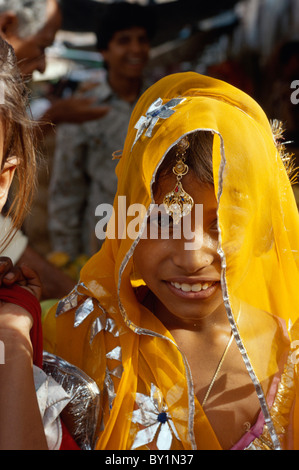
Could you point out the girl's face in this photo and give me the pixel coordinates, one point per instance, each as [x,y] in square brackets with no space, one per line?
[7,170]
[185,282]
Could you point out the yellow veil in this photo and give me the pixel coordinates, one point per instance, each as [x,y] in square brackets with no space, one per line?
[101,326]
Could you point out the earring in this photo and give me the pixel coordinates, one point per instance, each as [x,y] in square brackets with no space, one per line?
[178,203]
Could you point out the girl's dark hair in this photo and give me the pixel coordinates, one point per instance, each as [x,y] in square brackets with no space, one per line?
[198,157]
[19,134]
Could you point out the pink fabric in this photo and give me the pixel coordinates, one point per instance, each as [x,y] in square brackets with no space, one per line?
[257,429]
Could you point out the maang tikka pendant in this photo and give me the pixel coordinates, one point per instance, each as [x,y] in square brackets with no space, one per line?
[178,203]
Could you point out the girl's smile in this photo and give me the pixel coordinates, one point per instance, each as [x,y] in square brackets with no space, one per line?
[196,290]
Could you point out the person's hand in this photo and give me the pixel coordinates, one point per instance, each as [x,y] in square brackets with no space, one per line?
[21,275]
[74,110]
[14,318]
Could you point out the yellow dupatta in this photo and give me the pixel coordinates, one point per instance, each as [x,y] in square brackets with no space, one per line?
[102,327]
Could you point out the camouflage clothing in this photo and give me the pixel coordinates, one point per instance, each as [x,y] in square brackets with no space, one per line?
[84,174]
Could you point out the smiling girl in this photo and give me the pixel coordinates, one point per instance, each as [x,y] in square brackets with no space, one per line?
[192,348]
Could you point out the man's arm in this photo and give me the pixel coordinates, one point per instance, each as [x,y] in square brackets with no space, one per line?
[74,110]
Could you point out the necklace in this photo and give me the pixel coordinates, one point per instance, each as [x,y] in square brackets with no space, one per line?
[217,370]
[216,373]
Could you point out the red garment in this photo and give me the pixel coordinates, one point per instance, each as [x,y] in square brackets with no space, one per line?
[19,296]
[68,442]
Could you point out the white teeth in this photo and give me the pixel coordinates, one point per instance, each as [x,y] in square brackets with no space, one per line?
[191,287]
[196,287]
[186,287]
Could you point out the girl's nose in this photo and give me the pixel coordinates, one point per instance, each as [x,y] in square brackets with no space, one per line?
[194,255]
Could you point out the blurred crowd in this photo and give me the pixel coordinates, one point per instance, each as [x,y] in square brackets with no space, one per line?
[83,95]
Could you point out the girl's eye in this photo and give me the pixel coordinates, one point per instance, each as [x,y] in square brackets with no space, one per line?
[165,221]
[161,220]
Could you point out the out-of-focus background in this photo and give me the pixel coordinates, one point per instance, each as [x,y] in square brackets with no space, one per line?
[237,40]
[253,44]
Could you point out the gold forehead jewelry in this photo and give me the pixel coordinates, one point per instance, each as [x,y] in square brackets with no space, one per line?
[178,203]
